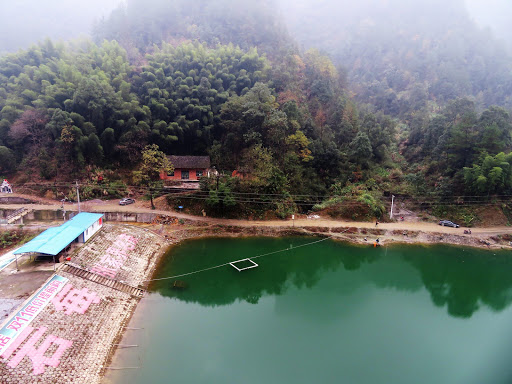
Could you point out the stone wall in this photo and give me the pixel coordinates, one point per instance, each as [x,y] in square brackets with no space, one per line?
[14,200]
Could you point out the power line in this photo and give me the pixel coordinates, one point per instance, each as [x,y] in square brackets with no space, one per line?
[262,198]
[422,196]
[240,195]
[64,185]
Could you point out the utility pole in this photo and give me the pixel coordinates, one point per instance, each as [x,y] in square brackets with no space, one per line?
[78,196]
[392,202]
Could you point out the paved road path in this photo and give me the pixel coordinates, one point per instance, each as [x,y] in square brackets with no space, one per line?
[302,221]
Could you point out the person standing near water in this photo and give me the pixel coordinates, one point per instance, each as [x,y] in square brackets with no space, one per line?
[376,222]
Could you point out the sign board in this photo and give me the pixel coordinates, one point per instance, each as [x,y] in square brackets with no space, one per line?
[34,306]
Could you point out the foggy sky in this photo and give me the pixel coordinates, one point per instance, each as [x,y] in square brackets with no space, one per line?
[494,14]
[24,22]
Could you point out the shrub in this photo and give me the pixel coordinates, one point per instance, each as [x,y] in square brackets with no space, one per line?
[285,208]
[376,209]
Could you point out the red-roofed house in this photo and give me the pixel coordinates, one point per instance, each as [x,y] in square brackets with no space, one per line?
[188,168]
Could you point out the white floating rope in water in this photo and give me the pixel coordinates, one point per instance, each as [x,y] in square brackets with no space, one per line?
[249,258]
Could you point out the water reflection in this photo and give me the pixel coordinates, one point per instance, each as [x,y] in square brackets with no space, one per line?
[461,280]
[465,280]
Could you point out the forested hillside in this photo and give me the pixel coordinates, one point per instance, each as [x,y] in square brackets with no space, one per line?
[138,25]
[403,56]
[92,106]
[389,104]
[87,105]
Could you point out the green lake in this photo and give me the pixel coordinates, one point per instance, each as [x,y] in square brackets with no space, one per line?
[324,313]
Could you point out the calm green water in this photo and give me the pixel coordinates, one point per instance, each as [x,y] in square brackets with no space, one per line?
[326,313]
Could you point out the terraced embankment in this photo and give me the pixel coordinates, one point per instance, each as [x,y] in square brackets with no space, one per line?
[67,331]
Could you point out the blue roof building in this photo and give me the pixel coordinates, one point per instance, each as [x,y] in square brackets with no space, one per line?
[52,241]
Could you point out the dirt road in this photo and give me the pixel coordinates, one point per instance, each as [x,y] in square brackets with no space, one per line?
[301,220]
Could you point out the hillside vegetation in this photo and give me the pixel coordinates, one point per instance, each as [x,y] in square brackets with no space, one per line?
[387,105]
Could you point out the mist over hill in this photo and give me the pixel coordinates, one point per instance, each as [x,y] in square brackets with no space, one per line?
[138,25]
[403,56]
[495,15]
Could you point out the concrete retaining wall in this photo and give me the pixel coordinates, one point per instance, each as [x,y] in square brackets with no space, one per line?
[130,217]
[52,215]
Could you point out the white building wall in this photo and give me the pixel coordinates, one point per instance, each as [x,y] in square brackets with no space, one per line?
[89,232]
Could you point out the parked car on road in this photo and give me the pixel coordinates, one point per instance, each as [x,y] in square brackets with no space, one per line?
[448,223]
[126,201]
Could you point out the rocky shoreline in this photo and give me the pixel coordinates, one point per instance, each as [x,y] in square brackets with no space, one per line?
[355,235]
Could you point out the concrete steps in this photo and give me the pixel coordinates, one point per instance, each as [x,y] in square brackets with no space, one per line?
[94,277]
[18,215]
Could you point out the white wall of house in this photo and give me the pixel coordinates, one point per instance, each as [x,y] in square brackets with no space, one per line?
[91,231]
